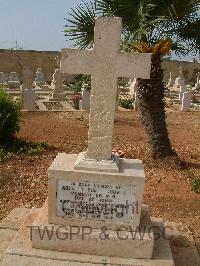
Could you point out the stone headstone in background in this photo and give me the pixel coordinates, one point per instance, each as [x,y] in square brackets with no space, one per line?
[29,98]
[57,59]
[84,104]
[170,82]
[28,78]
[133,87]
[186,101]
[197,85]
[28,92]
[13,81]
[136,102]
[2,78]
[39,77]
[180,81]
[182,89]
[57,86]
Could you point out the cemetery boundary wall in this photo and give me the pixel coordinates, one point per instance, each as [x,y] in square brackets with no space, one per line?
[15,60]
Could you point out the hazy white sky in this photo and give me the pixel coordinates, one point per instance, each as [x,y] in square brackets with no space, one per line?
[35,24]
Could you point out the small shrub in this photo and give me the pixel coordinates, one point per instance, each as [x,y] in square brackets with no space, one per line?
[36,148]
[196,185]
[5,155]
[126,103]
[2,86]
[10,114]
[194,180]
[79,81]
[19,147]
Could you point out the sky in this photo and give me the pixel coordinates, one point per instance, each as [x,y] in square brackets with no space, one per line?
[36,24]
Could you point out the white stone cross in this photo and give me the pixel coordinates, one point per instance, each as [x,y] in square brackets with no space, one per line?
[105,63]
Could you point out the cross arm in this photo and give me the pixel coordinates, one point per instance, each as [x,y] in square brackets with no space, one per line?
[75,61]
[134,65]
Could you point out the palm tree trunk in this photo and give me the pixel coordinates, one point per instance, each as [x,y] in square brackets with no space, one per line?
[152,110]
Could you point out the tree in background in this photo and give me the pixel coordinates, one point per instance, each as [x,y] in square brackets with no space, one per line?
[149,26]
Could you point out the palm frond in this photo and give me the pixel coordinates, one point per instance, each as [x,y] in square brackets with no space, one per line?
[80,27]
[143,21]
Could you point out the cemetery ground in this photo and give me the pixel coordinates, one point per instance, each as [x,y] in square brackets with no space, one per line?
[169,184]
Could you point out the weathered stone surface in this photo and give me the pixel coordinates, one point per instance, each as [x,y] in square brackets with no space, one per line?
[197,84]
[39,78]
[131,173]
[83,163]
[186,101]
[136,102]
[57,86]
[13,80]
[11,260]
[6,236]
[14,219]
[85,240]
[180,81]
[182,89]
[22,252]
[85,102]
[182,245]
[170,82]
[28,77]
[133,87]
[29,100]
[105,63]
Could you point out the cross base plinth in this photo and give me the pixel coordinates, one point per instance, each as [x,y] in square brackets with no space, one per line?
[88,240]
[58,97]
[86,164]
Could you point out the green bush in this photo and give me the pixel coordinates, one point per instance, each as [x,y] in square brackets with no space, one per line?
[10,114]
[126,103]
[21,147]
[194,180]
[196,185]
[79,81]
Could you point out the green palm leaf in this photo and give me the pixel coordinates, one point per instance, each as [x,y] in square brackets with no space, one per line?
[80,27]
[143,20]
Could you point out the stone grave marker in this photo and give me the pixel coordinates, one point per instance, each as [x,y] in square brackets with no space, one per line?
[182,89]
[28,92]
[133,87]
[186,101]
[57,86]
[94,188]
[105,63]
[39,78]
[29,99]
[197,85]
[2,78]
[170,82]
[96,191]
[84,104]
[28,78]
[180,81]
[136,103]
[13,81]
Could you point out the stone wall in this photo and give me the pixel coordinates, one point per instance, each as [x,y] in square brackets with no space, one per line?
[190,70]
[15,60]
